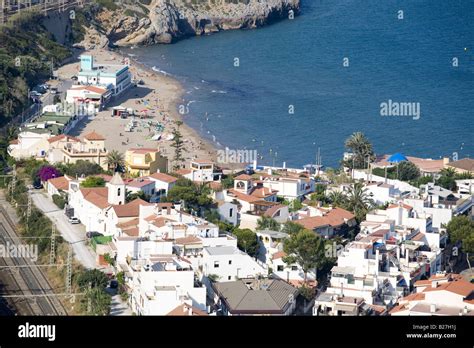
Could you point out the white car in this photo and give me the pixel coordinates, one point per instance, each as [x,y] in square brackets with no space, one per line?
[74,220]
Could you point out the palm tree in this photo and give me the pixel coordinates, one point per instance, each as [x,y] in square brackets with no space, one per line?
[115,160]
[361,148]
[358,201]
[337,198]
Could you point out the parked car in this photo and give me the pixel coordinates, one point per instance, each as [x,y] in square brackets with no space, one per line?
[37,185]
[114,284]
[74,77]
[35,94]
[74,220]
[93,234]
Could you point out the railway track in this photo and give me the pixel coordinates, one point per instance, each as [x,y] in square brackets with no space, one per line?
[29,279]
[9,8]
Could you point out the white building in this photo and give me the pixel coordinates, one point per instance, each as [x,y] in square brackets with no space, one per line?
[161,283]
[116,78]
[228,263]
[441,295]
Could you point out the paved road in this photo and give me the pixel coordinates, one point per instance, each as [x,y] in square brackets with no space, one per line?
[74,234]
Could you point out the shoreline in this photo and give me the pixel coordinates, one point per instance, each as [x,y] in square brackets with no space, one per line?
[161,95]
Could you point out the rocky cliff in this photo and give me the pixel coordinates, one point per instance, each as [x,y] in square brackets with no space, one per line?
[164,21]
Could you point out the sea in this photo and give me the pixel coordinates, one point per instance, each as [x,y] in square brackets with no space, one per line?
[401,72]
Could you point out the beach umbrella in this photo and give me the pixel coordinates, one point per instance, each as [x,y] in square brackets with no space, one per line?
[397,158]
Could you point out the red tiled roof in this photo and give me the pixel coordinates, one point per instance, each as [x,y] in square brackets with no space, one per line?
[278,255]
[243,177]
[271,211]
[403,205]
[94,136]
[335,217]
[183,310]
[460,287]
[95,89]
[183,171]
[61,137]
[188,240]
[98,196]
[464,164]
[61,183]
[242,196]
[163,177]
[130,209]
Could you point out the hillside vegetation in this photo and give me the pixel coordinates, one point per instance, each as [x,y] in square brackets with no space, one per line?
[26,52]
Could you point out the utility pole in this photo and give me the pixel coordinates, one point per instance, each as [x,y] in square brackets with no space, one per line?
[52,255]
[69,271]
[89,301]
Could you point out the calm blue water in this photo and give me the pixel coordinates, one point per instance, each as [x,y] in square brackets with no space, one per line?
[300,63]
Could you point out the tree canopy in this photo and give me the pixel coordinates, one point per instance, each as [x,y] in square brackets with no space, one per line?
[247,241]
[93,181]
[306,249]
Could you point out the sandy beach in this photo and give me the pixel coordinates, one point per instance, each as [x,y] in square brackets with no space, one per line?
[160,95]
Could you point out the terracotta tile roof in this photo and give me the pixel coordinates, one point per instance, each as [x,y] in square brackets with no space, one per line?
[419,236]
[183,310]
[130,209]
[94,89]
[271,211]
[215,185]
[243,177]
[242,196]
[63,136]
[188,240]
[183,171]
[334,218]
[398,308]
[460,287]
[98,196]
[93,136]
[464,164]
[61,183]
[403,205]
[163,177]
[419,296]
[425,164]
[278,255]
[131,223]
[159,221]
[263,192]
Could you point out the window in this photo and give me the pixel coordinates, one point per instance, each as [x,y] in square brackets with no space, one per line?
[118,191]
[280,268]
[216,264]
[294,268]
[231,212]
[230,262]
[229,278]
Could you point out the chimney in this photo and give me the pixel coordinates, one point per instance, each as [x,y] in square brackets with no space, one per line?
[445,161]
[432,308]
[406,256]
[465,310]
[434,284]
[284,165]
